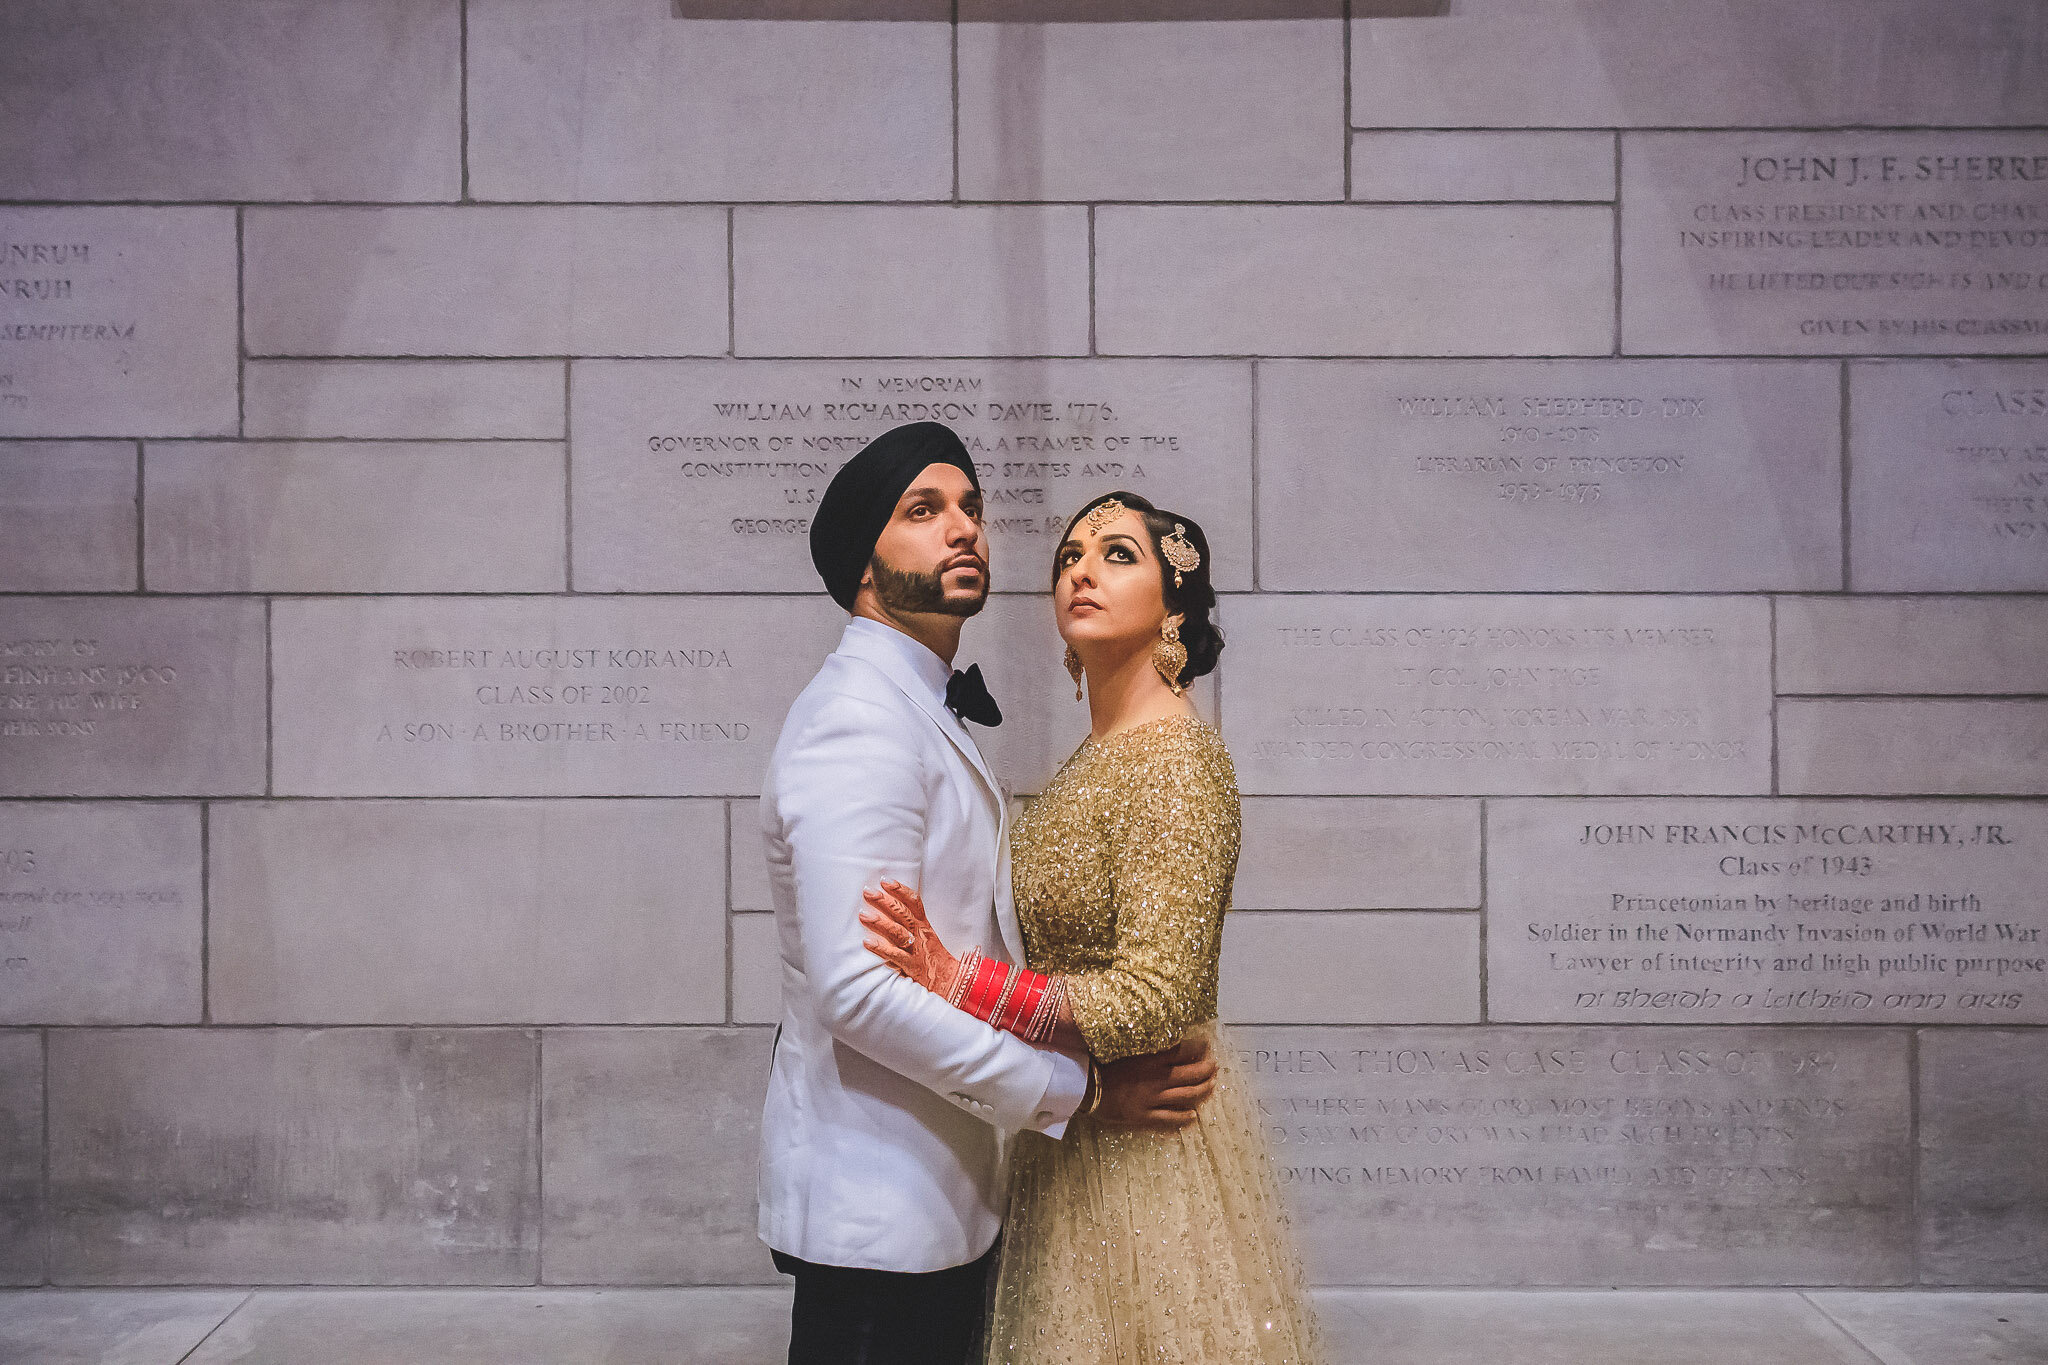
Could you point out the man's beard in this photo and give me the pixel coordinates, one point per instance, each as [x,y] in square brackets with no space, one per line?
[911,593]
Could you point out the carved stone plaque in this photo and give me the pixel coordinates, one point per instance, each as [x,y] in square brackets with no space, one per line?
[539,697]
[1727,912]
[110,696]
[1949,484]
[703,475]
[1599,475]
[1590,1156]
[99,913]
[1806,242]
[1473,695]
[117,322]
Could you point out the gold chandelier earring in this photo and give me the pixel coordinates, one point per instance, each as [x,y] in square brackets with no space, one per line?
[1074,671]
[1170,656]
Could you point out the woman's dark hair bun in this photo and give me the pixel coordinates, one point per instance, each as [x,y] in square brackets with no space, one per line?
[1194,599]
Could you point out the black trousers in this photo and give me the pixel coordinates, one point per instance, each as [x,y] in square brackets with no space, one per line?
[850,1316]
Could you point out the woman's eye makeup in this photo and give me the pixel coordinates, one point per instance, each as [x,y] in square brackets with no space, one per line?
[1117,552]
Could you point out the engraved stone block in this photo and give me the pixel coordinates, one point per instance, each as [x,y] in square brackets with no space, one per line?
[747,870]
[1367,968]
[1416,167]
[704,110]
[287,1156]
[242,99]
[1939,645]
[113,697]
[461,912]
[651,1138]
[600,280]
[404,399]
[354,517]
[117,321]
[99,914]
[1218,110]
[1331,280]
[21,1158]
[1830,243]
[902,281]
[1473,695]
[1591,1156]
[1983,1186]
[702,475]
[1735,912]
[1333,853]
[1608,63]
[1906,748]
[756,970]
[1567,475]
[542,697]
[67,516]
[1948,488]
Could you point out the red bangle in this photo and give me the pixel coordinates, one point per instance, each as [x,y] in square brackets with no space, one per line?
[989,980]
[1013,999]
[1000,975]
[1023,1001]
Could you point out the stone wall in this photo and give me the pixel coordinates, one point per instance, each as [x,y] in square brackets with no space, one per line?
[1623,430]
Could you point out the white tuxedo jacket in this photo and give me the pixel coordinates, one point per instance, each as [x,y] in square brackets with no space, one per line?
[881,1139]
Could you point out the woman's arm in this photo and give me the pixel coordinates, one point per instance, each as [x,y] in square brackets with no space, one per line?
[899,933]
[1174,842]
[1162,1091]
[1173,836]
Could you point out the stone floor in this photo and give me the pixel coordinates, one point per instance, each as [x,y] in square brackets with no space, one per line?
[745,1327]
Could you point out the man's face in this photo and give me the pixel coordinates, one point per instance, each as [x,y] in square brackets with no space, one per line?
[932,557]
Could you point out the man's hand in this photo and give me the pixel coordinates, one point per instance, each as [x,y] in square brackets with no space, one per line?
[1160,1091]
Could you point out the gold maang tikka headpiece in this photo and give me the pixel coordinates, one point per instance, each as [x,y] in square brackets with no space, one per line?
[1180,552]
[1103,513]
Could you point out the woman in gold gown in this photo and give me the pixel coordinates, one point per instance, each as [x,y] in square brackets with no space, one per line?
[1125,1245]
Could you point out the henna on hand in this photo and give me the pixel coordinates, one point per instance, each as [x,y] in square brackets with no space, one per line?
[899,932]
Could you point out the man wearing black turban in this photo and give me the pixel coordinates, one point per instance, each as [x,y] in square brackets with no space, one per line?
[881,1183]
[862,501]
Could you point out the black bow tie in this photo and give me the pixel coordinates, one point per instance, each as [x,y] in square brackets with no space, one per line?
[967,697]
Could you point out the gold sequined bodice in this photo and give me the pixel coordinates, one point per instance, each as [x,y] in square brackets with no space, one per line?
[1126,1245]
[1121,873]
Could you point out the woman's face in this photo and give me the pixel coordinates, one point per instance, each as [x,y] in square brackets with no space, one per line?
[1107,583]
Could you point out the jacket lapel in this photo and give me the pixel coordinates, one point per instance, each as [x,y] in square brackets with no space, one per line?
[898,671]
[913,687]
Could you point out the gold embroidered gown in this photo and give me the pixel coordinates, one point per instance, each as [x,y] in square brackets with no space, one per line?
[1121,1246]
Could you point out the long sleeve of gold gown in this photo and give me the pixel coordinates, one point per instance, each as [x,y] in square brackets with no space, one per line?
[1171,819]
[1121,1246]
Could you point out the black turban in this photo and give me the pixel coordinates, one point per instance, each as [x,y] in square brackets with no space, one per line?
[862,497]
